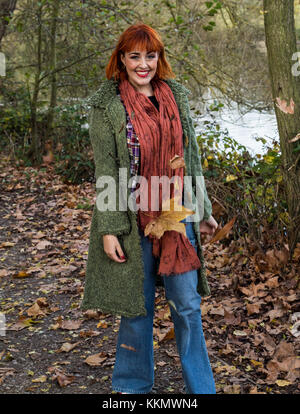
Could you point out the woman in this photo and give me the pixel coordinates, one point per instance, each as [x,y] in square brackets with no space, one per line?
[139,121]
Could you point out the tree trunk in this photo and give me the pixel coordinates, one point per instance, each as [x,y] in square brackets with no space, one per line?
[7,7]
[281,46]
[35,149]
[52,68]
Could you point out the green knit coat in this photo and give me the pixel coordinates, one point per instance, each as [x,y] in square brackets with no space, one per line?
[112,287]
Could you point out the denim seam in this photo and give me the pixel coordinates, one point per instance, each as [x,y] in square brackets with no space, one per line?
[117,389]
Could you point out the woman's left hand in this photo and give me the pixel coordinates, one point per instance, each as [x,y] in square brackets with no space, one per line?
[208,226]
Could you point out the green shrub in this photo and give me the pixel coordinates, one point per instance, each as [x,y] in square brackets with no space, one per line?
[247,186]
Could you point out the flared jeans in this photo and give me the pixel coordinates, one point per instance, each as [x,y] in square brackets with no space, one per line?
[134,366]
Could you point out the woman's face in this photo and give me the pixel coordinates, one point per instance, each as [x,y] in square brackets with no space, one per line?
[141,67]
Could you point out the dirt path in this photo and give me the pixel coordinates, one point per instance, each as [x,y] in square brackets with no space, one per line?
[50,346]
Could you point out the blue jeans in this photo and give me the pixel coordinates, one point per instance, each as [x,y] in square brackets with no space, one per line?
[134,366]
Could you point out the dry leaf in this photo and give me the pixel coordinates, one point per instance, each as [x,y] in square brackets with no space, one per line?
[35,311]
[3,272]
[22,323]
[177,162]
[223,231]
[254,391]
[67,347]
[43,244]
[72,324]
[102,324]
[253,308]
[170,334]
[296,138]
[42,378]
[130,348]
[239,333]
[283,350]
[96,359]
[282,383]
[169,219]
[21,273]
[62,378]
[217,311]
[91,314]
[6,244]
[87,334]
[161,363]
[282,105]
[295,329]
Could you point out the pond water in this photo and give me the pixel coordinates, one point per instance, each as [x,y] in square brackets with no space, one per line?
[244,127]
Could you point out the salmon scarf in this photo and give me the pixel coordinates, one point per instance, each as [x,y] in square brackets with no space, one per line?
[161,138]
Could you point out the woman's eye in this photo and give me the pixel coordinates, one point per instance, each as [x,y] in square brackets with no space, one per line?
[149,57]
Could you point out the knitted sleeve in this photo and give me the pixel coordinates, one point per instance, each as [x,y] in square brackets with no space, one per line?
[111,221]
[197,173]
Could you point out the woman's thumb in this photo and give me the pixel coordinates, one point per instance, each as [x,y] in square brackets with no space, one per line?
[120,251]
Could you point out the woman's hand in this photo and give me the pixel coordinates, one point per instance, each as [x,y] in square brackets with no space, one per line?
[113,248]
[208,226]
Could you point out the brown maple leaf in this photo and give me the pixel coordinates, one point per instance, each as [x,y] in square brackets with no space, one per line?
[169,219]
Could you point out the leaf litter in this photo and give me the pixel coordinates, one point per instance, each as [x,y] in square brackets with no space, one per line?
[251,321]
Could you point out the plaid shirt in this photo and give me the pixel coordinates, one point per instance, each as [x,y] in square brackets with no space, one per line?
[133,145]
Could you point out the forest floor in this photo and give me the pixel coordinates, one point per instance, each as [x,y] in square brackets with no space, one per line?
[51,346]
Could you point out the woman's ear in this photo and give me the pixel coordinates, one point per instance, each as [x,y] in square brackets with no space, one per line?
[122,57]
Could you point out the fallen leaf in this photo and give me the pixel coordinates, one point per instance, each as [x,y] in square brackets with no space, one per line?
[43,244]
[70,325]
[6,244]
[170,334]
[295,329]
[283,350]
[102,324]
[256,363]
[62,378]
[21,273]
[217,311]
[232,389]
[254,391]
[35,311]
[67,347]
[161,363]
[253,308]
[239,333]
[227,350]
[91,314]
[22,323]
[3,272]
[96,359]
[42,378]
[282,383]
[87,334]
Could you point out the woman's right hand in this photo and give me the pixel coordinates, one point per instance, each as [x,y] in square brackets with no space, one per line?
[113,248]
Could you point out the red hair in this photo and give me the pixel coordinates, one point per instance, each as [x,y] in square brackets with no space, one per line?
[142,37]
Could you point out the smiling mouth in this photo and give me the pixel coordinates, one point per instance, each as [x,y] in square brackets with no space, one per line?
[142,74]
